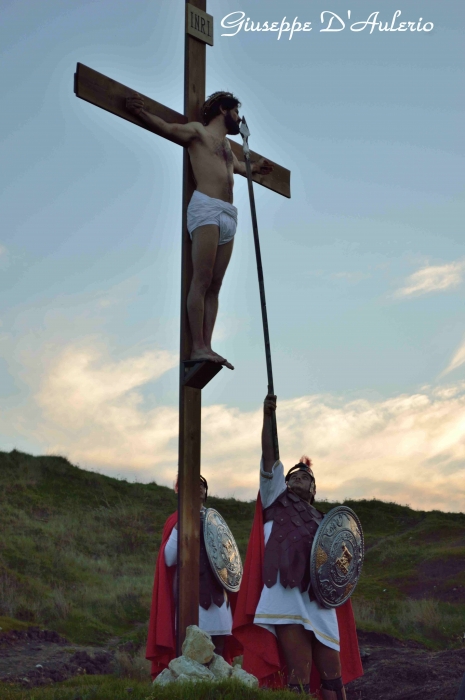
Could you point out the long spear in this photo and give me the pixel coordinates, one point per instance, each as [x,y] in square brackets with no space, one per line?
[245,133]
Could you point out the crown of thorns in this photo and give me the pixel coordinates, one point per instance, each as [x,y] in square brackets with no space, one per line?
[216,97]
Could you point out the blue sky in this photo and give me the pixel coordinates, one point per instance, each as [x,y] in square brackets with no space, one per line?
[364,265]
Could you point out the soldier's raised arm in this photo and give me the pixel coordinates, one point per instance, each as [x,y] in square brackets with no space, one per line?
[269,406]
[182,134]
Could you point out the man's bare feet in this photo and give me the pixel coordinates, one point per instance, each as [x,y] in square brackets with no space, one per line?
[227,364]
[221,360]
[204,355]
[210,356]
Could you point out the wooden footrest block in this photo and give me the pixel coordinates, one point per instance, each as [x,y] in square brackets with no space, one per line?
[198,374]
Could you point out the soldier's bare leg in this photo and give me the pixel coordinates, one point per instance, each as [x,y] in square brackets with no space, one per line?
[299,648]
[296,646]
[328,663]
[204,254]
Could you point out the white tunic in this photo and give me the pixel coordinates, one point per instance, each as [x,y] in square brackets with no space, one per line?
[215,620]
[289,606]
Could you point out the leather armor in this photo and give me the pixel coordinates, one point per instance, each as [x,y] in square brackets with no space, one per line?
[288,549]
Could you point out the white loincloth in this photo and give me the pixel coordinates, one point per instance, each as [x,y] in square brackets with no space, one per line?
[288,606]
[204,210]
[215,620]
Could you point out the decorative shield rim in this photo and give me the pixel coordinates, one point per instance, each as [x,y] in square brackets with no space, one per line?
[229,587]
[315,558]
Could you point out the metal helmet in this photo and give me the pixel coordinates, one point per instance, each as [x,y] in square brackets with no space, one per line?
[305,465]
[204,482]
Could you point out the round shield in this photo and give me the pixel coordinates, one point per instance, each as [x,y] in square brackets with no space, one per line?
[337,557]
[222,551]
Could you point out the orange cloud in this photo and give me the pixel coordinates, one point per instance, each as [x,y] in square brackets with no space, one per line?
[409,448]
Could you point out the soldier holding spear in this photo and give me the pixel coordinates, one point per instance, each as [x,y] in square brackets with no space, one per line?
[287,635]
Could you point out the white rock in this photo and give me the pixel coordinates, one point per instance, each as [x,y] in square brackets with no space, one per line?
[198,645]
[219,667]
[192,669]
[244,677]
[165,677]
[187,679]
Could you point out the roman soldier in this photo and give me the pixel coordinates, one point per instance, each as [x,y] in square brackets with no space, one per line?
[287,636]
[215,615]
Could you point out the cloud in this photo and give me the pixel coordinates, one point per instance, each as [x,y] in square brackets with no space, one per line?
[457,360]
[432,278]
[409,448]
[93,410]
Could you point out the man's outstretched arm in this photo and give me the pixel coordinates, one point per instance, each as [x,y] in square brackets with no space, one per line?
[182,134]
[269,407]
[262,166]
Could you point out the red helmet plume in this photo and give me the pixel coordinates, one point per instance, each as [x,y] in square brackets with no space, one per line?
[306,460]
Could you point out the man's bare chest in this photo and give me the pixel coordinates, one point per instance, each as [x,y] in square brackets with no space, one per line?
[221,150]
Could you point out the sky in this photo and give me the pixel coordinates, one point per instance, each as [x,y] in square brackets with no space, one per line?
[364,265]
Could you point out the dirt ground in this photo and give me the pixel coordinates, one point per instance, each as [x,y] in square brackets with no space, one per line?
[394,670]
[40,657]
[397,670]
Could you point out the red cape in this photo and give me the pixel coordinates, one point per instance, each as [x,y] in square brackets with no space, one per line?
[161,640]
[261,654]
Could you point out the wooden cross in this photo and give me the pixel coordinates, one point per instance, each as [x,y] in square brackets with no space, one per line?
[111,96]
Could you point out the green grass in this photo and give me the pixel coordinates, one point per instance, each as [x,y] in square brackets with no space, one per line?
[108,688]
[77,555]
[77,550]
[8,623]
[226,690]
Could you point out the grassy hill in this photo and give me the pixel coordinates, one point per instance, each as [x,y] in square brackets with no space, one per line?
[77,553]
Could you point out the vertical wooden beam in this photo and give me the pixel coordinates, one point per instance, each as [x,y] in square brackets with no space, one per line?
[189,520]
[189,398]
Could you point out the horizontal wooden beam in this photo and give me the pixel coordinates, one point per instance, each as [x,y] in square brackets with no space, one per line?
[110,95]
[107,94]
[279,180]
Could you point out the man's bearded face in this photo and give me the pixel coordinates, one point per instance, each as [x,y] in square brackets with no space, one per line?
[232,121]
[301,483]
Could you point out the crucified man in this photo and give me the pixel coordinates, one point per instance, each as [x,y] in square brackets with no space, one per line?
[211,215]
